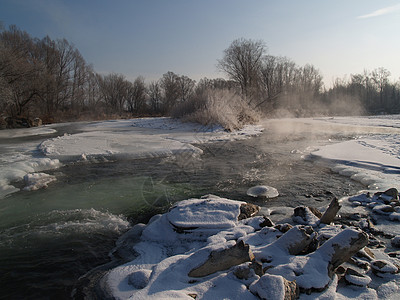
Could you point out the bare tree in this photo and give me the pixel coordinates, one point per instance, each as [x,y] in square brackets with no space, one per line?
[186,86]
[137,96]
[155,95]
[113,89]
[380,77]
[242,62]
[170,87]
[19,71]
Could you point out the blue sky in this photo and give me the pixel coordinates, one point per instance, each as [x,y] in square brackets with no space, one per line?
[151,37]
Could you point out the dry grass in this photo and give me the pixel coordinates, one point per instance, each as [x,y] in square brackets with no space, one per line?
[217,107]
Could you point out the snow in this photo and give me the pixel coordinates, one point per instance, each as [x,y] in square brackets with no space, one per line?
[269,287]
[165,257]
[372,159]
[23,132]
[204,213]
[35,181]
[167,252]
[102,141]
[138,138]
[174,243]
[263,191]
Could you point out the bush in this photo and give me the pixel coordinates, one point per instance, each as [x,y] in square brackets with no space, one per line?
[216,107]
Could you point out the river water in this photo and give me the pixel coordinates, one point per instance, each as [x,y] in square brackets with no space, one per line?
[51,237]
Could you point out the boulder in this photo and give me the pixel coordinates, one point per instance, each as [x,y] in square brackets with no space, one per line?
[267,222]
[355,278]
[331,212]
[382,267]
[275,287]
[36,122]
[393,192]
[139,279]
[248,210]
[396,241]
[245,271]
[223,260]
[263,191]
[303,215]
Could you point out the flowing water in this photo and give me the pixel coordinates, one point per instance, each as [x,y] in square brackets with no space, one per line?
[51,237]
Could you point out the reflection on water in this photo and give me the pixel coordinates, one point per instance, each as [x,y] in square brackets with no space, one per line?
[49,238]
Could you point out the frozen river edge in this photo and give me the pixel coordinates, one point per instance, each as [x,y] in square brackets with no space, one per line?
[202,246]
[382,138]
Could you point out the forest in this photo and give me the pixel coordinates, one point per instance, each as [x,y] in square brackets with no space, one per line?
[49,79]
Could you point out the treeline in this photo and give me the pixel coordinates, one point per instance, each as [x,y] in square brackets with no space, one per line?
[277,85]
[50,79]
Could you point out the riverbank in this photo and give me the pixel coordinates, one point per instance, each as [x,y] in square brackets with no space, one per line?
[58,233]
[213,248]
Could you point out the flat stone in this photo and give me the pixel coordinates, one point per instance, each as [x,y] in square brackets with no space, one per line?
[263,191]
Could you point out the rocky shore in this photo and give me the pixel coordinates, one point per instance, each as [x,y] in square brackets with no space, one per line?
[213,248]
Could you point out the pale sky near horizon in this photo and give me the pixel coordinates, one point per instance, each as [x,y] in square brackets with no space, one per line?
[151,37]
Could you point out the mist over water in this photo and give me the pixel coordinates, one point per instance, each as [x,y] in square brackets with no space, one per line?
[49,238]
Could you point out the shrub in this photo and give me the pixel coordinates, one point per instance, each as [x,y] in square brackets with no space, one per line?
[216,107]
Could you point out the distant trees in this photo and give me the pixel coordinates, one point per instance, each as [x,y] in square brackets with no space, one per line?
[50,79]
[373,90]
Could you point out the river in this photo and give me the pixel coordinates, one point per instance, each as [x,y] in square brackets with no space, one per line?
[51,237]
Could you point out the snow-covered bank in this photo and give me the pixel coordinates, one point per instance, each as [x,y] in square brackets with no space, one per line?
[139,138]
[372,159]
[174,246]
[104,141]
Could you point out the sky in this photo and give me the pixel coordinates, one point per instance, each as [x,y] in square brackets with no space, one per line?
[151,37]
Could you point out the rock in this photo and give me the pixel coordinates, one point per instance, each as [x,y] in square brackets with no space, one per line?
[383,209]
[248,210]
[315,211]
[139,279]
[341,247]
[293,242]
[263,191]
[243,272]
[381,267]
[283,227]
[303,215]
[360,263]
[331,212]
[366,224]
[355,278]
[36,122]
[366,253]
[395,254]
[393,192]
[266,223]
[257,267]
[396,241]
[271,287]
[224,259]
[340,271]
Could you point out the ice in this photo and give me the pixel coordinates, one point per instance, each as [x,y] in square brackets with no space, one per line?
[20,165]
[263,191]
[23,132]
[373,159]
[118,139]
[183,238]
[37,181]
